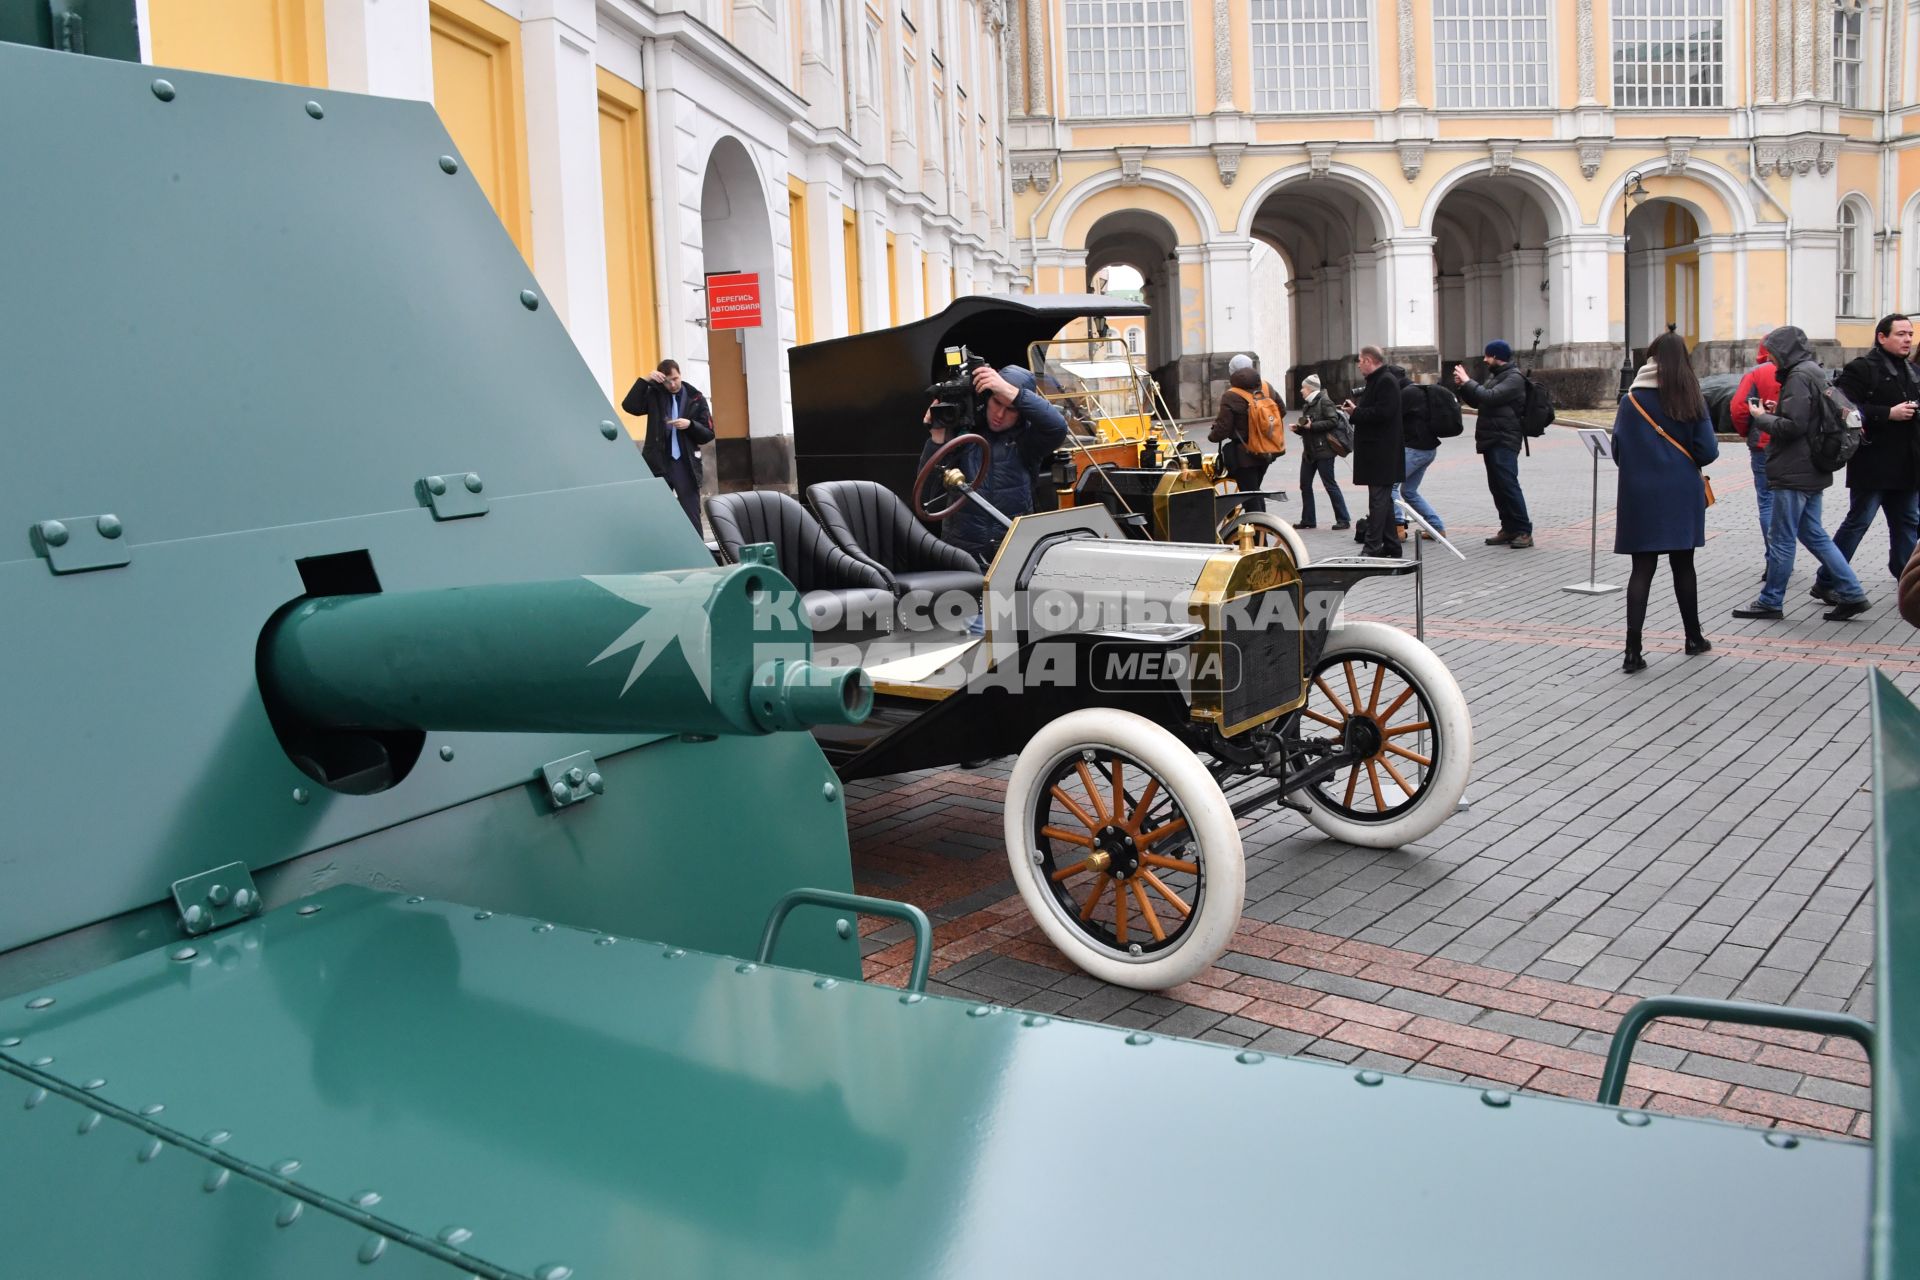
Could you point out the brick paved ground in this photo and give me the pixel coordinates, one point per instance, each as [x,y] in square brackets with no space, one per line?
[1702,827]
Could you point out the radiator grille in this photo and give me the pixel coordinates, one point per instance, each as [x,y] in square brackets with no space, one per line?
[1271,676]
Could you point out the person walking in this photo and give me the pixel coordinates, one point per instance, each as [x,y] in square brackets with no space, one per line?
[1379,450]
[1885,473]
[1498,438]
[1319,420]
[1246,395]
[1797,483]
[1425,411]
[1662,441]
[1760,385]
[679,422]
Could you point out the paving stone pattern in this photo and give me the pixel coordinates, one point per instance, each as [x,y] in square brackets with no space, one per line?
[1702,827]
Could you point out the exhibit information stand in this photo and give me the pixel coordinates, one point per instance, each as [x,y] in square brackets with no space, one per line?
[1599,445]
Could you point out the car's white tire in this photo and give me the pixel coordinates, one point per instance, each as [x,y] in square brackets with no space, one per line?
[1274,526]
[1380,663]
[1177,845]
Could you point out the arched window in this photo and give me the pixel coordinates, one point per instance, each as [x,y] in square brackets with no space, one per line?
[829,34]
[1133,341]
[1849,22]
[1127,57]
[1851,222]
[1311,55]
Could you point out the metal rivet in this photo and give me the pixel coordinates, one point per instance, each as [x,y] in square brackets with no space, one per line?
[218,1138]
[163,90]
[1634,1119]
[912,997]
[289,1213]
[366,1199]
[446,753]
[576,775]
[219,894]
[1784,1141]
[370,1251]
[483,915]
[35,1098]
[150,1152]
[53,533]
[216,1179]
[43,1062]
[1088,756]
[449,165]
[246,901]
[829,792]
[436,486]
[455,1235]
[843,927]
[1497,1098]
[603,942]
[314,109]
[610,431]
[195,918]
[308,910]
[472,482]
[543,928]
[11,1042]
[109,526]
[185,953]
[287,1168]
[416,899]
[89,1124]
[980,1011]
[529,299]
[300,795]
[1035,1020]
[553,1271]
[596,783]
[1369,1078]
[1139,1037]
[153,1109]
[1134,949]
[561,794]
[672,953]
[96,1083]
[826,984]
[40,1002]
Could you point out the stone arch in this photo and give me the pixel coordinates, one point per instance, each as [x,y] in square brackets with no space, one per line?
[1555,197]
[1387,214]
[1148,241]
[1500,241]
[743,366]
[1196,214]
[1717,201]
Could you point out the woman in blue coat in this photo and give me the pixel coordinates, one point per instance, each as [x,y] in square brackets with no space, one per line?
[1662,439]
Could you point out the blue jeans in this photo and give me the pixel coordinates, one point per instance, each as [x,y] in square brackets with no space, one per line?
[1408,490]
[1503,482]
[1903,526]
[1796,518]
[1757,459]
[1322,467]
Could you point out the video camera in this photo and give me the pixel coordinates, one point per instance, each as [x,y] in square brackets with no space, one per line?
[956,405]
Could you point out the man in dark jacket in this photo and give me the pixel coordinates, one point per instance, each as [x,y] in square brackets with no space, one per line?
[1885,473]
[1024,431]
[1498,438]
[1418,404]
[1797,483]
[678,423]
[1379,450]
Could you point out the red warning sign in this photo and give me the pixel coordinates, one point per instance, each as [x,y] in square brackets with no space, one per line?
[733,301]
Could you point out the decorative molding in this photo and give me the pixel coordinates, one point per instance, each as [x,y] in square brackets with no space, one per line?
[1319,159]
[1823,88]
[1036,58]
[1222,56]
[1413,153]
[1131,158]
[1763,51]
[1226,158]
[1583,38]
[997,15]
[1800,156]
[1591,154]
[1803,42]
[1501,150]
[1037,170]
[1015,48]
[1409,77]
[1678,151]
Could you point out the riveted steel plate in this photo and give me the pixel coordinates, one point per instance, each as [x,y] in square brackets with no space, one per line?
[80,544]
[625,1107]
[455,496]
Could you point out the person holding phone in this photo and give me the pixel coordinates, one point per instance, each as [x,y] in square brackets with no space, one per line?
[678,423]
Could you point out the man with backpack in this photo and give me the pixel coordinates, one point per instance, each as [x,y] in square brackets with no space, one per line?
[1250,429]
[1498,437]
[1428,414]
[1811,436]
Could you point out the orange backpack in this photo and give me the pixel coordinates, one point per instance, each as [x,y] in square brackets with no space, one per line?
[1266,425]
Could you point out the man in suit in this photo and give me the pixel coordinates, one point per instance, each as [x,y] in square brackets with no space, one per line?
[678,423]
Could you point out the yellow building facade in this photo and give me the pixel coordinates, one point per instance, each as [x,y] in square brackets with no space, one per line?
[1435,174]
[850,153]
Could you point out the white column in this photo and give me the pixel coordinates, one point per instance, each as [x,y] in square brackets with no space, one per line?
[1229,268]
[1477,281]
[1526,270]
[383,47]
[1338,311]
[1454,331]
[563,169]
[1363,288]
[1406,269]
[1718,256]
[827,258]
[1309,330]
[1578,268]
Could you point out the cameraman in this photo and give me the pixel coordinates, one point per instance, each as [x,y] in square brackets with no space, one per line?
[1025,430]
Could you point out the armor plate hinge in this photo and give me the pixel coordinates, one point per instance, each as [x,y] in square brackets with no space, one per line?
[78,544]
[215,899]
[452,497]
[572,779]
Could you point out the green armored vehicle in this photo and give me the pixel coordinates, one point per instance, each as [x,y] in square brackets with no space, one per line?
[398,868]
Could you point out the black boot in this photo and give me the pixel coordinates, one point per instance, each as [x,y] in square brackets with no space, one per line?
[1698,644]
[1634,662]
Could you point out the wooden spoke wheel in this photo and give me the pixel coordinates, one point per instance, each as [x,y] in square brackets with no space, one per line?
[1393,706]
[1269,531]
[1124,848]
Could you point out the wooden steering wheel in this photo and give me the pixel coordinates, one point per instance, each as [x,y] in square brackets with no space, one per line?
[957,491]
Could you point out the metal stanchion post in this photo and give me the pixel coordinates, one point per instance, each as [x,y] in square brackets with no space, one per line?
[1600,445]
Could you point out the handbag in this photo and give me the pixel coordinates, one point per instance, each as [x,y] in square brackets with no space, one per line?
[1706,482]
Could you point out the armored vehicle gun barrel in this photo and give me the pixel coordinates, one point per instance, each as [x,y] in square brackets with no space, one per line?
[701,651]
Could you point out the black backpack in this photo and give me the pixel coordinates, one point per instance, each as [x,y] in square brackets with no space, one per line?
[1536,408]
[1443,411]
[1837,429]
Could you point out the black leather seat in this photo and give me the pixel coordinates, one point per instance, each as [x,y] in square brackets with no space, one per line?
[871,523]
[838,592]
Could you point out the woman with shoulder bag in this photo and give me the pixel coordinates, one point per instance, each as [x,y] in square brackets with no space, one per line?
[1319,420]
[1662,441]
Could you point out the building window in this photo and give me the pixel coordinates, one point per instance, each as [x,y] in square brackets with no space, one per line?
[909,126]
[1848,222]
[1491,53]
[1849,22]
[1133,341]
[1668,53]
[1311,55]
[1127,57]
